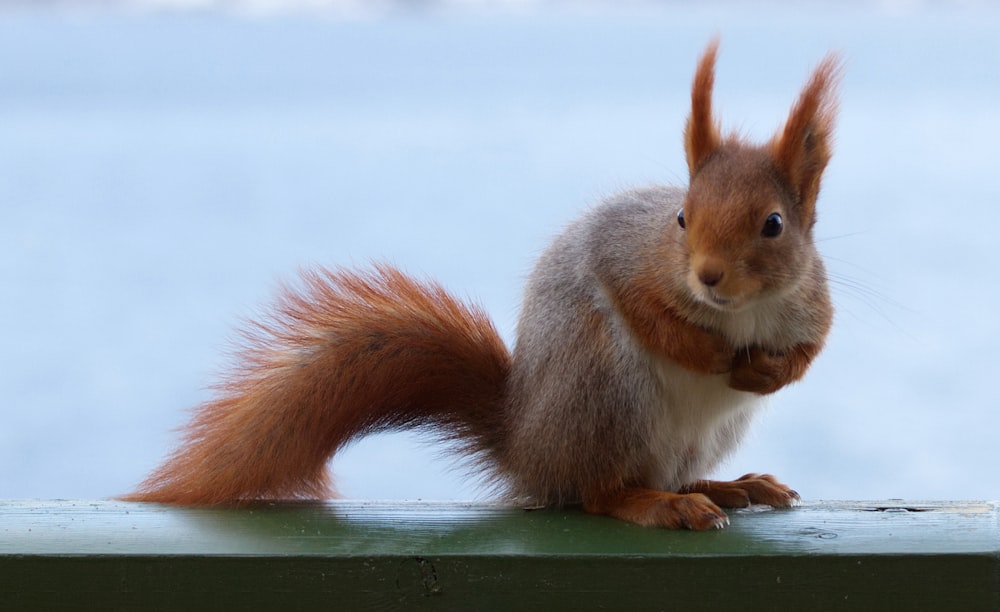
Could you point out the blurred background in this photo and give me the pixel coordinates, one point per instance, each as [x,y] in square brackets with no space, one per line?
[165,164]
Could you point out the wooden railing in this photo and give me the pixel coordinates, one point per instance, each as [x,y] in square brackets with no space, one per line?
[104,555]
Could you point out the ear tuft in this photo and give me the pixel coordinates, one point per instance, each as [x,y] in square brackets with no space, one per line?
[803,148]
[701,134]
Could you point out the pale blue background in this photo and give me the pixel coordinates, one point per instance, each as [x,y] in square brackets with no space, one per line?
[162,172]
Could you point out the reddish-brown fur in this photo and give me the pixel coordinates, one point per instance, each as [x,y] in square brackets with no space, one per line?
[746,490]
[759,371]
[367,348]
[662,330]
[355,353]
[800,151]
[701,134]
[742,177]
[653,508]
[805,145]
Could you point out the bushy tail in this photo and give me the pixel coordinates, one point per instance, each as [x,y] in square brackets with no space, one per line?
[347,355]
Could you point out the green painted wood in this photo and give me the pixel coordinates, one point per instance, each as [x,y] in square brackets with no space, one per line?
[389,555]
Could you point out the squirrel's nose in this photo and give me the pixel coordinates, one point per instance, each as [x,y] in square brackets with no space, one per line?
[710,276]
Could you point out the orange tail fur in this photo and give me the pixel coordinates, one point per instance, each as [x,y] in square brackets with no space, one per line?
[350,354]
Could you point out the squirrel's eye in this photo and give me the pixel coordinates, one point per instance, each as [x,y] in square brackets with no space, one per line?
[772,226]
[680,219]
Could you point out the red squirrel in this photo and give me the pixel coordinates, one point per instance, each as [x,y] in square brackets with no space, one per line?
[651,329]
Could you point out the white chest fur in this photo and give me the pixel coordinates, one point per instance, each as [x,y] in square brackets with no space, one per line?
[700,421]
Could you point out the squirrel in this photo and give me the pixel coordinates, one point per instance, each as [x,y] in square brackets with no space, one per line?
[650,331]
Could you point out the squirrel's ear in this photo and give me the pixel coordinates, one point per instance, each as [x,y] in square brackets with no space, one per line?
[701,134]
[803,148]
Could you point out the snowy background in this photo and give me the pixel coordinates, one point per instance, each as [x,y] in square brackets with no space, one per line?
[165,164]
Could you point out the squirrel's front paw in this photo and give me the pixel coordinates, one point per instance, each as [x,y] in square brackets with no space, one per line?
[759,371]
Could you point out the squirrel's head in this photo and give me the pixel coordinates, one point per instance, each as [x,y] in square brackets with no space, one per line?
[749,212]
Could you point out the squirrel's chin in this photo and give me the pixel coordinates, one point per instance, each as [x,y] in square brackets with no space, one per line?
[723,303]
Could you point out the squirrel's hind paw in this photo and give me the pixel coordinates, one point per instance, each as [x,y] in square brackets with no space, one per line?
[746,490]
[653,508]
